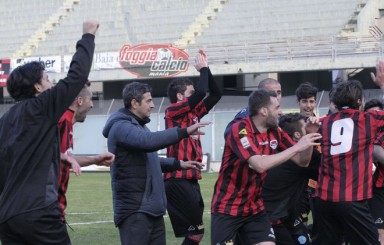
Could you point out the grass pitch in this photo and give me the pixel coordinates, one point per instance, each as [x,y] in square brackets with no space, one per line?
[90,212]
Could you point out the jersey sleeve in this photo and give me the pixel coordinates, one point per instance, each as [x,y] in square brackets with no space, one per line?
[241,142]
[285,140]
[177,110]
[65,134]
[200,110]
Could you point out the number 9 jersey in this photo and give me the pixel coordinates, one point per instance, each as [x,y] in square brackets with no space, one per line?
[345,172]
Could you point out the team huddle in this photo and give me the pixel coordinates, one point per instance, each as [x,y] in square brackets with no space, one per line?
[275,170]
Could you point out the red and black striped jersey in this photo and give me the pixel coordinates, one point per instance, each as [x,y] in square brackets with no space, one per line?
[66,131]
[345,172]
[187,149]
[238,188]
[378,176]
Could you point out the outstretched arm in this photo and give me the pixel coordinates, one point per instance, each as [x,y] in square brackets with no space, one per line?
[104,159]
[297,152]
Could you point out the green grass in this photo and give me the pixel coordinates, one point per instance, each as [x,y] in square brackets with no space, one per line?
[90,212]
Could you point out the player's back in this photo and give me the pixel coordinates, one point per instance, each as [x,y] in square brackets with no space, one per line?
[345,172]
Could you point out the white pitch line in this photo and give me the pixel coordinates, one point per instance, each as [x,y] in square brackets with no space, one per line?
[92,223]
[105,221]
[89,213]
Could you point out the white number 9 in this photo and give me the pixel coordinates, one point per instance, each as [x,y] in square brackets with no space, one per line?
[341,136]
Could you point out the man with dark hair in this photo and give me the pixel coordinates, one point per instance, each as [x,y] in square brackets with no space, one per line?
[268,84]
[373,104]
[306,98]
[185,203]
[284,185]
[254,145]
[30,155]
[345,174]
[139,199]
[77,112]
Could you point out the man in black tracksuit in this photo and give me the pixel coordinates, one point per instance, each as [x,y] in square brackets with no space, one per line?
[139,200]
[29,149]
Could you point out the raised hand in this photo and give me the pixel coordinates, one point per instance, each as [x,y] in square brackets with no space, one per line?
[90,26]
[378,79]
[201,60]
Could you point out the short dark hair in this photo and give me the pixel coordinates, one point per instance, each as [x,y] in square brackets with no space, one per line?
[373,103]
[259,98]
[266,81]
[136,91]
[178,85]
[84,91]
[346,94]
[21,82]
[290,123]
[306,90]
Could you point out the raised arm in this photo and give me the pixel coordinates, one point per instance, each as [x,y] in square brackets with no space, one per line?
[62,95]
[215,92]
[201,65]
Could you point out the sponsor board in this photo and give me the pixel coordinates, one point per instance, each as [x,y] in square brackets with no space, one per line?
[5,68]
[153,60]
[51,63]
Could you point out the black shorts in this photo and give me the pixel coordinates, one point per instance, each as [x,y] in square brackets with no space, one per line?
[185,206]
[142,229]
[350,220]
[249,230]
[376,205]
[43,226]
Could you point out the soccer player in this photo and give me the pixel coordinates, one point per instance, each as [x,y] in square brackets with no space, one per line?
[185,203]
[268,84]
[345,174]
[284,185]
[250,150]
[29,155]
[77,112]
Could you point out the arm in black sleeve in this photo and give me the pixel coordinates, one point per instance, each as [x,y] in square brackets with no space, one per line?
[182,133]
[215,92]
[63,94]
[312,171]
[169,164]
[201,89]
